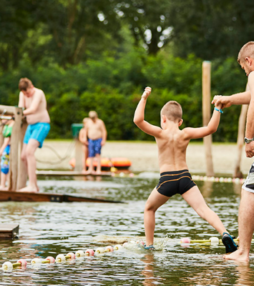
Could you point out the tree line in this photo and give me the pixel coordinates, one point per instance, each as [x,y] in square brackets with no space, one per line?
[100,54]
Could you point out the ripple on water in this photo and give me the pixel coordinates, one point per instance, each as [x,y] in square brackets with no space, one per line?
[51,228]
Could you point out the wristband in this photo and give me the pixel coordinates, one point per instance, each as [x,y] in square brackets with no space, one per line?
[217,109]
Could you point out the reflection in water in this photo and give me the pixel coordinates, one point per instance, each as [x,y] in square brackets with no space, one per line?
[48,229]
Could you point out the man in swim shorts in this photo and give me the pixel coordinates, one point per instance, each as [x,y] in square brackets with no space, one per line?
[175,177]
[96,132]
[246,208]
[34,102]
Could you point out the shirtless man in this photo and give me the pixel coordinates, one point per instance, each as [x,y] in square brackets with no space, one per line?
[34,102]
[96,132]
[246,208]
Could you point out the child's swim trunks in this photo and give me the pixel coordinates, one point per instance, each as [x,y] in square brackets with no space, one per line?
[94,147]
[37,131]
[5,160]
[175,182]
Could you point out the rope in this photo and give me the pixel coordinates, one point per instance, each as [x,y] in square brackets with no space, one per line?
[61,159]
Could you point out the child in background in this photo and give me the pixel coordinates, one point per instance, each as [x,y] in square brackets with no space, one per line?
[5,152]
[83,140]
[96,132]
[175,177]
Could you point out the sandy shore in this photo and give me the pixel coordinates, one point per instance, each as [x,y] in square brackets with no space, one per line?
[143,156]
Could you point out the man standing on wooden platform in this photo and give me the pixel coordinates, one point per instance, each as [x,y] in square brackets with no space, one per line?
[246,209]
[34,102]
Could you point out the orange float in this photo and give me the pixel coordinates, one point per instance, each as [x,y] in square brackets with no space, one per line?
[106,163]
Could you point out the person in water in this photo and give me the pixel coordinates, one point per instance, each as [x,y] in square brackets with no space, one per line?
[174,175]
[96,133]
[5,152]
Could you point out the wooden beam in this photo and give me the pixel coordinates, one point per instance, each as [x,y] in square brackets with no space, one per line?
[48,197]
[9,109]
[206,90]
[14,153]
[22,169]
[70,173]
[9,231]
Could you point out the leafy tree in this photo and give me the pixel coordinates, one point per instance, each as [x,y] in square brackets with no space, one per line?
[211,29]
[148,21]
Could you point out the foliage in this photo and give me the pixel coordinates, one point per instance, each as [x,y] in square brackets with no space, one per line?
[113,88]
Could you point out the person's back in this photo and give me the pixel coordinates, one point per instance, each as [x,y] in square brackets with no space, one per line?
[175,177]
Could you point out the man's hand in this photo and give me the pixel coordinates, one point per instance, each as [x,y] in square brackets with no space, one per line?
[103,143]
[249,149]
[85,142]
[224,101]
[146,93]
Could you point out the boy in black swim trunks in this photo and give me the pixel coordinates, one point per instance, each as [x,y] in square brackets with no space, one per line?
[175,177]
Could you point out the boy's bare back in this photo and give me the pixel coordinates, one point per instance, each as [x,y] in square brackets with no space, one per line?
[172,142]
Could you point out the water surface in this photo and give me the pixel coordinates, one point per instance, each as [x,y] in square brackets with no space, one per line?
[53,228]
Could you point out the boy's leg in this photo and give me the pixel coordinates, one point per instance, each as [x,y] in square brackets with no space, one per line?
[90,169]
[154,201]
[85,152]
[98,157]
[31,166]
[195,199]
[3,181]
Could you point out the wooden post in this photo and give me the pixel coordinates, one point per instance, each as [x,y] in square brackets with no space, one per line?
[241,127]
[14,153]
[22,169]
[1,137]
[78,155]
[206,90]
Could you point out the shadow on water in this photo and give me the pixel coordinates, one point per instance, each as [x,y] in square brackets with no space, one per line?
[51,228]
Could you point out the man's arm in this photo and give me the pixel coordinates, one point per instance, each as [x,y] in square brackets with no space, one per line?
[104,133]
[35,104]
[249,148]
[195,133]
[235,99]
[139,116]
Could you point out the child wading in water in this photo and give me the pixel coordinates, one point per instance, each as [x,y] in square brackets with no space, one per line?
[175,177]
[5,152]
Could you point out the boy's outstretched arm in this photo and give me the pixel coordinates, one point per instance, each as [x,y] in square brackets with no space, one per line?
[195,133]
[139,116]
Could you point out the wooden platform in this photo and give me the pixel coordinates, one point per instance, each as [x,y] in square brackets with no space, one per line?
[9,231]
[70,173]
[47,197]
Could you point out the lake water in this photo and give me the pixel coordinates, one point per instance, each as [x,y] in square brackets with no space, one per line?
[48,229]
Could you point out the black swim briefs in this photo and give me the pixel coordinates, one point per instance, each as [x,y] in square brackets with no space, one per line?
[175,182]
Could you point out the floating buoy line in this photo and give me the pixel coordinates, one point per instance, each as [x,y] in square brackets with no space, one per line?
[61,258]
[194,177]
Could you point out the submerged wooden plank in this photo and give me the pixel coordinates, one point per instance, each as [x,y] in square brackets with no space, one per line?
[9,231]
[48,197]
[70,173]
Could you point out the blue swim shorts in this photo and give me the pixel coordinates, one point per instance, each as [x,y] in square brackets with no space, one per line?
[37,131]
[94,147]
[5,160]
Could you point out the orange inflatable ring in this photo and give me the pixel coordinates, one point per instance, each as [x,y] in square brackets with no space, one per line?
[122,163]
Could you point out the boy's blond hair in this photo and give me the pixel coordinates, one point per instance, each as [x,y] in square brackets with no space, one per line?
[246,51]
[24,84]
[172,110]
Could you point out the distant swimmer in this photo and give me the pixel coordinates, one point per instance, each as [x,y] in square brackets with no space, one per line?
[174,175]
[96,133]
[34,102]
